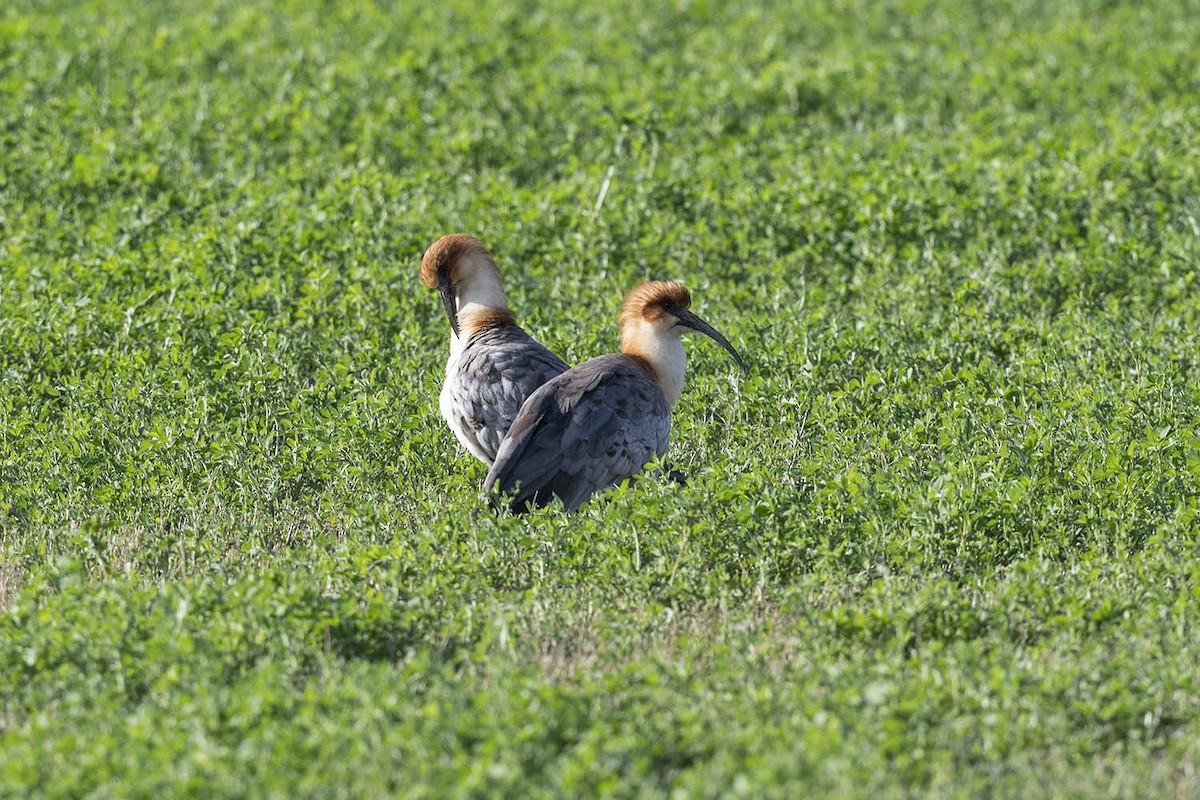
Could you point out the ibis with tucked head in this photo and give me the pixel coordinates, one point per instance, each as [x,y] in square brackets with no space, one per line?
[597,424]
[494,365]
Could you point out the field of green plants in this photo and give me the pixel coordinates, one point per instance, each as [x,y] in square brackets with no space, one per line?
[941,540]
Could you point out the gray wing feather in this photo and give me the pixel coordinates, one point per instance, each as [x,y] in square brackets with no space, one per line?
[583,431]
[498,370]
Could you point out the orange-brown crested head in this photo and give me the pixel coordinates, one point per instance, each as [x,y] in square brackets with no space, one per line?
[468,282]
[653,301]
[443,257]
[654,317]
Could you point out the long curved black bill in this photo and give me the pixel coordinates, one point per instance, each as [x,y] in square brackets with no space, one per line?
[446,290]
[690,320]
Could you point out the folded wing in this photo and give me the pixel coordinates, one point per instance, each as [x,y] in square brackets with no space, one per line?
[497,372]
[583,431]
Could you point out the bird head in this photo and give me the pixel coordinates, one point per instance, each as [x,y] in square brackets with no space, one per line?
[464,272]
[660,309]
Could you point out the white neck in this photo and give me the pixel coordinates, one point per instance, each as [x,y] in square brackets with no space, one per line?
[478,296]
[481,289]
[664,352]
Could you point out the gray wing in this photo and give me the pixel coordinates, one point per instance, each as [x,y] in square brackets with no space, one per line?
[586,430]
[498,371]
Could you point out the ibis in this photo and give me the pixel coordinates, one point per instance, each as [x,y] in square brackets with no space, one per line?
[601,422]
[494,365]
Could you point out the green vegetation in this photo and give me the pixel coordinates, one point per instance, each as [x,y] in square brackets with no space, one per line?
[941,541]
